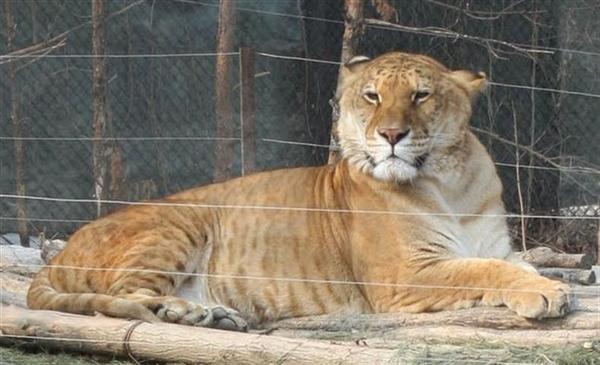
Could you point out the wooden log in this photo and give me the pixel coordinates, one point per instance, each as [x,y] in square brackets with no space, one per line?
[397,337]
[20,260]
[174,343]
[51,248]
[585,277]
[13,288]
[497,325]
[545,257]
[598,247]
[481,317]
[393,329]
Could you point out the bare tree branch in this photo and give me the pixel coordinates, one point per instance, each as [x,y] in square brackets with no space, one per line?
[446,33]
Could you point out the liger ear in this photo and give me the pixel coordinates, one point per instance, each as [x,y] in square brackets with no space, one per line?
[350,70]
[357,60]
[355,64]
[473,83]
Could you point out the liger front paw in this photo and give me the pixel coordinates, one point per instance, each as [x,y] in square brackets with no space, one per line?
[177,310]
[539,298]
[227,319]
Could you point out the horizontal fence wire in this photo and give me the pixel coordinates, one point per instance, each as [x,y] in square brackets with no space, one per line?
[292,58]
[122,56]
[50,220]
[535,88]
[165,138]
[493,83]
[292,209]
[297,58]
[570,169]
[591,290]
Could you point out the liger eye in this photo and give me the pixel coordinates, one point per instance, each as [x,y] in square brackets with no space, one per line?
[372,97]
[420,96]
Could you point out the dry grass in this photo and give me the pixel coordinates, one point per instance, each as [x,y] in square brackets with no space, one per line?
[486,353]
[24,356]
[408,353]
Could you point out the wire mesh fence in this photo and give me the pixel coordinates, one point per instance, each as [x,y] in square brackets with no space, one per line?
[161,132]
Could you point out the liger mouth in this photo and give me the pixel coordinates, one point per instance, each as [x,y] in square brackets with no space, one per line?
[418,162]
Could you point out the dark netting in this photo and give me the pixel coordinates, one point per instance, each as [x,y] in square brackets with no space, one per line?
[540,112]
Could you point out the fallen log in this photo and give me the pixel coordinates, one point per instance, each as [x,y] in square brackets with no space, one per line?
[394,329]
[546,257]
[173,343]
[459,335]
[51,248]
[585,277]
[481,317]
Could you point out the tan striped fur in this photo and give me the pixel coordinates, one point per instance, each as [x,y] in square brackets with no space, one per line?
[371,218]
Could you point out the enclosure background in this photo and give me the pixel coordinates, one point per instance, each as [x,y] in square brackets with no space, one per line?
[163,85]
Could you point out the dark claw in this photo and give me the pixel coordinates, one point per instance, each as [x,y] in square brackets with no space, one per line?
[158,308]
[225,320]
[564,308]
[226,324]
[546,303]
[219,313]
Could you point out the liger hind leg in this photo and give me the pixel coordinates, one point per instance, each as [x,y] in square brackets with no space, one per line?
[153,275]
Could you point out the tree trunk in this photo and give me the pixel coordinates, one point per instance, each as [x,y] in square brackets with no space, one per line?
[225,149]
[353,29]
[99,102]
[248,111]
[10,31]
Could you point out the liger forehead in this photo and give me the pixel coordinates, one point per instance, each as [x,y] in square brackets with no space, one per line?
[401,69]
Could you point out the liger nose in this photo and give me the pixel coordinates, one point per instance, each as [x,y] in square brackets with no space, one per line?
[393,135]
